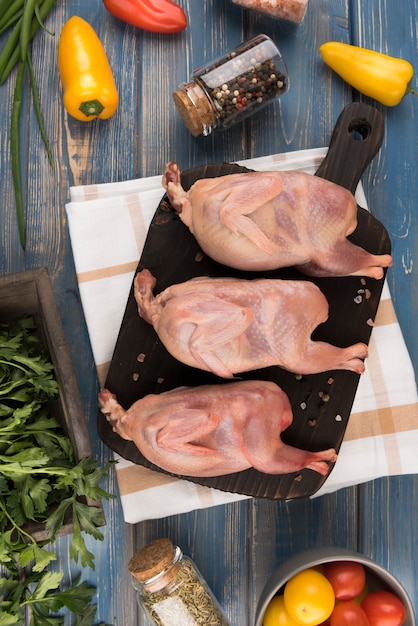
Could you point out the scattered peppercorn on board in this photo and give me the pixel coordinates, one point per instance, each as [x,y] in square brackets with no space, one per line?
[321,403]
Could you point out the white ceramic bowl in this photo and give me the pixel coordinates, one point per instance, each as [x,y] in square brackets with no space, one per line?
[377,577]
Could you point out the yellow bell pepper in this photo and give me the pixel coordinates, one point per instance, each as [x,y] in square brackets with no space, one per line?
[86,76]
[386,79]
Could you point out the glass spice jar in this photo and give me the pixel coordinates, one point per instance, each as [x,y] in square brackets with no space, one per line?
[233,87]
[289,10]
[171,589]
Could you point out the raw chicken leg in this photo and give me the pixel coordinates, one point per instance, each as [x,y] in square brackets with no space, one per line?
[228,325]
[267,220]
[214,430]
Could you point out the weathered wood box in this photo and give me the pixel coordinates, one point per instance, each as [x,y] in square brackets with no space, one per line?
[30,293]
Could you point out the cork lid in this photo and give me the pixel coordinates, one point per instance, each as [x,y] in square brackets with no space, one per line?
[151,559]
[195,109]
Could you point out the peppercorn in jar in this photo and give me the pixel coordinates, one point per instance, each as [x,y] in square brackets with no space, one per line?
[233,87]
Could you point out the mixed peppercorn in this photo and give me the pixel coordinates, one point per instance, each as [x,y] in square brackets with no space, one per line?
[246,77]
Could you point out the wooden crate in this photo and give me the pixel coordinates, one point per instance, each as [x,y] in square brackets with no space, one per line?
[30,293]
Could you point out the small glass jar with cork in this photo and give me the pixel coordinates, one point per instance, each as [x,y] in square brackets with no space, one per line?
[170,588]
[288,10]
[233,87]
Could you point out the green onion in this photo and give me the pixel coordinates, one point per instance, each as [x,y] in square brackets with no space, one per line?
[9,50]
[38,111]
[7,65]
[15,152]
[24,35]
[26,17]
[9,10]
[12,21]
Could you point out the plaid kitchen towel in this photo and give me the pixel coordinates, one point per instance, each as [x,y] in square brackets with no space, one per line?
[108,224]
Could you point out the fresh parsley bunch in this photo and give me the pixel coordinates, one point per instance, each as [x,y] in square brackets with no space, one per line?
[40,483]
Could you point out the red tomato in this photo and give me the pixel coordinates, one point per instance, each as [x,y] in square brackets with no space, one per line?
[383,608]
[349,614]
[347,578]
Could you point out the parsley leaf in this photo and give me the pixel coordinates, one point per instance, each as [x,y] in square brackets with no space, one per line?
[40,482]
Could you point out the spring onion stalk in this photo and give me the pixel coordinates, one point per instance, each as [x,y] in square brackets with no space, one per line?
[15,153]
[24,18]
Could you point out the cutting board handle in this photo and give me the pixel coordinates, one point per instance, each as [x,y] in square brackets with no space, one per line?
[356,139]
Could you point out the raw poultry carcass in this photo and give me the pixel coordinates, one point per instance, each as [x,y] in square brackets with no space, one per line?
[229,325]
[214,430]
[267,220]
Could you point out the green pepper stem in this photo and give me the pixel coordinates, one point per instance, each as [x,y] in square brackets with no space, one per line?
[91,108]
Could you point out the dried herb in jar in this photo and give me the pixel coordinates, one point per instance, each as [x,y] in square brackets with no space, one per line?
[171,589]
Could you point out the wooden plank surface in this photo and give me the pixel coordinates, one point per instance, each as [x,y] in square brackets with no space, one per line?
[236,546]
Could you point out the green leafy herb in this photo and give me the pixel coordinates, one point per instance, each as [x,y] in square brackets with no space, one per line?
[41,483]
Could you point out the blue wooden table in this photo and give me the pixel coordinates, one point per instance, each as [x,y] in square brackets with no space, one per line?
[236,546]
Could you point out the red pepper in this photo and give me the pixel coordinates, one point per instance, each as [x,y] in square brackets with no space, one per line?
[157,16]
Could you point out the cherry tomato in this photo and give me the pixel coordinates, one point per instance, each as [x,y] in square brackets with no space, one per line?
[349,614]
[383,608]
[309,598]
[346,577]
[276,614]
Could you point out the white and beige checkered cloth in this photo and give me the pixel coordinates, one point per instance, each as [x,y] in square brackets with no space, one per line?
[108,224]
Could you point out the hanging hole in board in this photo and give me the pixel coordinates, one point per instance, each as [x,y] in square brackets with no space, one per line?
[359,129]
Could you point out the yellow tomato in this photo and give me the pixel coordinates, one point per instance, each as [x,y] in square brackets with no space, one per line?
[276,614]
[309,598]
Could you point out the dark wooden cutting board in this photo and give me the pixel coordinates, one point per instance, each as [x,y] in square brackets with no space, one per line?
[321,403]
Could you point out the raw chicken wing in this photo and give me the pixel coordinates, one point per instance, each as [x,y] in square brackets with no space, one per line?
[229,325]
[214,430]
[267,220]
